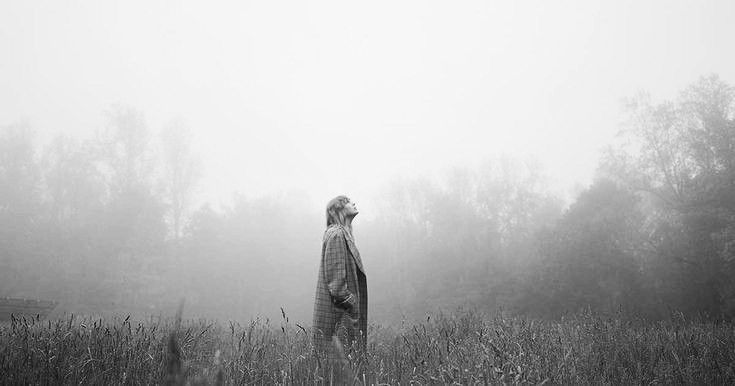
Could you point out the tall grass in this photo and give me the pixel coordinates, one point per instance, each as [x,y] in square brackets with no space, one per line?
[461,347]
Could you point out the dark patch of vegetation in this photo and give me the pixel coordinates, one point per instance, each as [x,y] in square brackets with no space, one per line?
[462,347]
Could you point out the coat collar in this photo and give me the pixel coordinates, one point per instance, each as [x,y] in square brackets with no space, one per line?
[355,253]
[350,245]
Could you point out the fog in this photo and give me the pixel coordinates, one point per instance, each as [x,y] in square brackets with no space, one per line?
[156,151]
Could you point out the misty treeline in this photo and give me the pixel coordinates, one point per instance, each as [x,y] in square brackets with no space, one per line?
[108,224]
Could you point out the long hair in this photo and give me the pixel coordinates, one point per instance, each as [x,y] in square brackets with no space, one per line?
[336,213]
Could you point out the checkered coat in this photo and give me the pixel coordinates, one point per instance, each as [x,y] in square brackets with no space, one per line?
[341,295]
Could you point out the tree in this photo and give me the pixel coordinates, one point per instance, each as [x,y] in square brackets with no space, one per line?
[133,229]
[74,196]
[73,187]
[124,151]
[181,173]
[682,154]
[588,259]
[19,173]
[19,212]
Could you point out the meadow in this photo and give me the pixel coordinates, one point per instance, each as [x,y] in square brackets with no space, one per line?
[461,347]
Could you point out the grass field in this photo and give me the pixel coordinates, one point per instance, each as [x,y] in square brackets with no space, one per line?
[461,347]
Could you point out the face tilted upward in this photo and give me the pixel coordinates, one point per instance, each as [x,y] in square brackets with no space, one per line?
[350,209]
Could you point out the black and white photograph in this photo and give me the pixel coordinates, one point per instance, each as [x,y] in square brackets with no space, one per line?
[408,192]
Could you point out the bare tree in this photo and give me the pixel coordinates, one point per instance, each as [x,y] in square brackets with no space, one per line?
[181,173]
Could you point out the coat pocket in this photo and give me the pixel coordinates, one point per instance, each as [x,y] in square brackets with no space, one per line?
[349,317]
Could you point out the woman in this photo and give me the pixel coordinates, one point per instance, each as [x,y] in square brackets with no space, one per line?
[340,304]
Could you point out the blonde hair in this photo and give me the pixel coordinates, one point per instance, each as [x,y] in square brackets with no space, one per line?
[336,213]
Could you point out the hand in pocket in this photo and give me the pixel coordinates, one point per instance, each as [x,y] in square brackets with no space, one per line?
[353,322]
[350,321]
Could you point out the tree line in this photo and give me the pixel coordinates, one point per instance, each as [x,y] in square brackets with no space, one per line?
[109,224]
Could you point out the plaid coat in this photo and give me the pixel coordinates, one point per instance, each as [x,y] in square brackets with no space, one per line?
[341,294]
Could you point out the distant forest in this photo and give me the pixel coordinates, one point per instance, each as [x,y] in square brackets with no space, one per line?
[108,224]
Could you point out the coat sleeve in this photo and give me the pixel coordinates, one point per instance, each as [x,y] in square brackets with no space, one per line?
[335,271]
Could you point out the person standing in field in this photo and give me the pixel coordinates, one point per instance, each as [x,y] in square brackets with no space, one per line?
[340,304]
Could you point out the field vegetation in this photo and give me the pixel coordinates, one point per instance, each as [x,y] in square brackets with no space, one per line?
[463,347]
[110,225]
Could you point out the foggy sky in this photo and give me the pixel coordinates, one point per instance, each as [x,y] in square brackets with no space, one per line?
[339,97]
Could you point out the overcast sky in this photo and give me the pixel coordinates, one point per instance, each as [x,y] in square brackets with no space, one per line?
[338,97]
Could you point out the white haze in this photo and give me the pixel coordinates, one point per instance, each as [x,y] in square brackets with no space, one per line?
[338,97]
[308,100]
